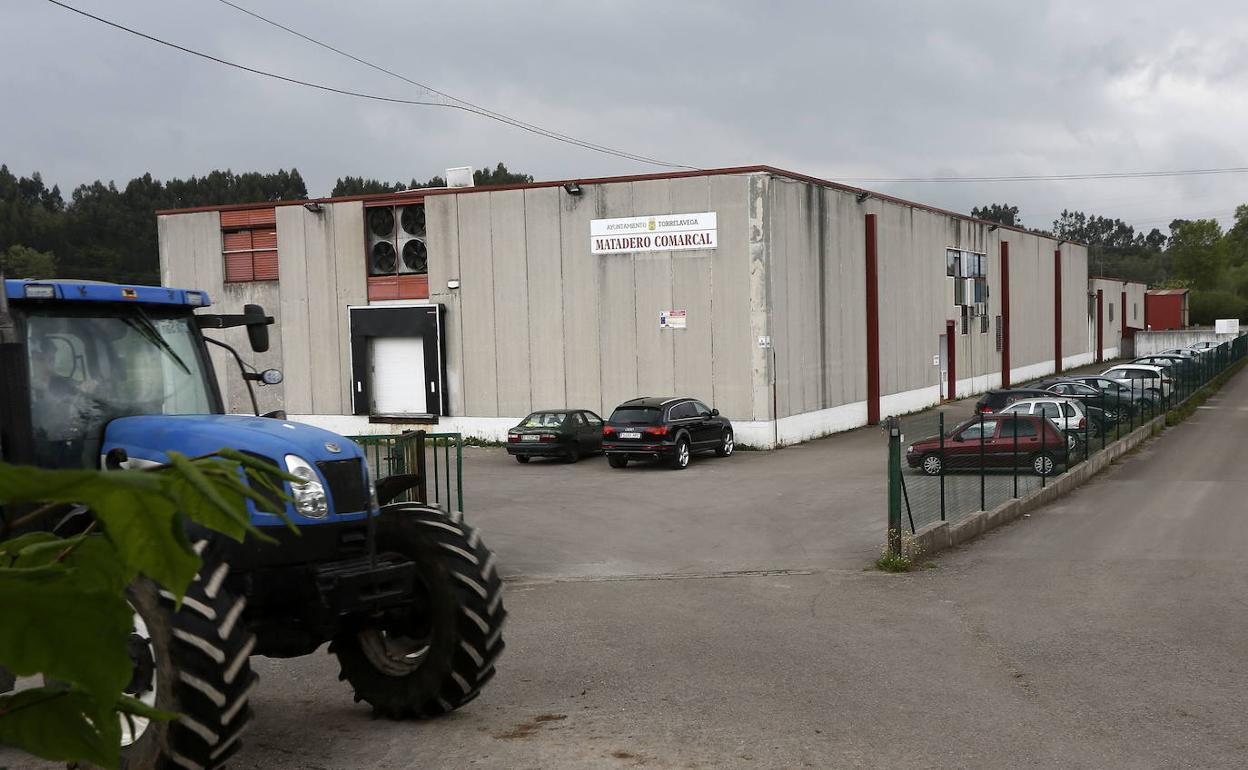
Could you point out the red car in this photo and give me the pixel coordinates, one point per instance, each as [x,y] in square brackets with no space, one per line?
[1040,446]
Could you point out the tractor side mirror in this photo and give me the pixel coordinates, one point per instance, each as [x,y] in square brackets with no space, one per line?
[257,328]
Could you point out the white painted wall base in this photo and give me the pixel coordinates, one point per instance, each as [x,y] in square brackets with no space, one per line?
[760,434]
[1083,359]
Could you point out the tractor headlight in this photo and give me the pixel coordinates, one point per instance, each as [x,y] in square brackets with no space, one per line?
[309,496]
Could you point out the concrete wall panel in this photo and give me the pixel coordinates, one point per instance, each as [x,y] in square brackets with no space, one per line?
[617,331]
[351,282]
[732,345]
[545,301]
[442,231]
[582,302]
[320,275]
[295,324]
[511,302]
[652,273]
[477,296]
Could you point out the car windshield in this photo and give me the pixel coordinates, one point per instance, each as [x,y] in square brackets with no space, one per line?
[88,369]
[544,420]
[636,415]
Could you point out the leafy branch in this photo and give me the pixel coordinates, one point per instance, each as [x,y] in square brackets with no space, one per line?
[64,597]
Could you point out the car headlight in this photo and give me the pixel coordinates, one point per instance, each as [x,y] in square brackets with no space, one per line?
[309,495]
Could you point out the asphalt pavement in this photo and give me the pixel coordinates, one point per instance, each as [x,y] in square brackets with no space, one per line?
[1104,631]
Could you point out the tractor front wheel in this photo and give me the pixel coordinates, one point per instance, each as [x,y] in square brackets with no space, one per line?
[437,655]
[193,661]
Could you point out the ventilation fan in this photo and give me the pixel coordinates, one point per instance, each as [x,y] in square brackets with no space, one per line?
[415,257]
[413,220]
[381,221]
[383,261]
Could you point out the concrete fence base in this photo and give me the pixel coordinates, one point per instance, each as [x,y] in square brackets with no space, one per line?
[943,534]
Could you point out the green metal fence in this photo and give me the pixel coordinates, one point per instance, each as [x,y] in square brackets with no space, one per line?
[436,458]
[985,481]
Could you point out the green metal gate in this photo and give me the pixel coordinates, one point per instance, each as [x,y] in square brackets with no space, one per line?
[436,458]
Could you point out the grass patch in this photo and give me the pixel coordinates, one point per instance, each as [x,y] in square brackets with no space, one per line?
[1188,407]
[903,557]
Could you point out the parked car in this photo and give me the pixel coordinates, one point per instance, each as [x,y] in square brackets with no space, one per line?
[998,399]
[1102,409]
[1040,446]
[1146,377]
[569,434]
[1065,413]
[1204,346]
[670,429]
[1180,364]
[1119,397]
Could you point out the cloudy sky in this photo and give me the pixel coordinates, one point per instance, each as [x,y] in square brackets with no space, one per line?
[846,91]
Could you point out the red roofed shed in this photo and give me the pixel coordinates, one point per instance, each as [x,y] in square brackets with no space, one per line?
[1165,309]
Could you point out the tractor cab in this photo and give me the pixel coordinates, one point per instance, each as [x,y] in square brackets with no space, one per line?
[84,354]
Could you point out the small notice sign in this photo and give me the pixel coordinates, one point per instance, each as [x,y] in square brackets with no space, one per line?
[672,319]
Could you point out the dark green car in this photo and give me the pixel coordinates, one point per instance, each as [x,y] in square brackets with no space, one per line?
[568,434]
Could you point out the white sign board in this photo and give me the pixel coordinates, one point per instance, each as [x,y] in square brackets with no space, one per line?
[1226,326]
[658,232]
[672,319]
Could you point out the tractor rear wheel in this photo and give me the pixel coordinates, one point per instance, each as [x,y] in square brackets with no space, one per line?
[194,661]
[437,656]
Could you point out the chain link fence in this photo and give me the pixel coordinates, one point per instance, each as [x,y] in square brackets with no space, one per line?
[950,462]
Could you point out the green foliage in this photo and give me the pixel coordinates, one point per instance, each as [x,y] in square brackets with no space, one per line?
[106,233]
[65,612]
[486,177]
[1198,252]
[900,552]
[1206,306]
[998,212]
[19,261]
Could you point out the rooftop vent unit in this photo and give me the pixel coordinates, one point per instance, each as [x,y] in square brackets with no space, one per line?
[459,177]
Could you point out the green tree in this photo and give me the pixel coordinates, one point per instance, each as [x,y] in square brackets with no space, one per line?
[1198,253]
[498,176]
[998,212]
[19,261]
[1237,238]
[1206,306]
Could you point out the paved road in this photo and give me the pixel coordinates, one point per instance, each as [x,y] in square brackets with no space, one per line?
[1105,631]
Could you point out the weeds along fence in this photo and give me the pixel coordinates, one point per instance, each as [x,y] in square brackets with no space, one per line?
[435,459]
[948,463]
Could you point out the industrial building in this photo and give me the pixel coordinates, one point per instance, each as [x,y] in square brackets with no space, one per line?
[1116,310]
[1167,309]
[796,306]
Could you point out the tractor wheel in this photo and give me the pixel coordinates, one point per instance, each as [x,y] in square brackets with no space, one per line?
[437,656]
[194,661]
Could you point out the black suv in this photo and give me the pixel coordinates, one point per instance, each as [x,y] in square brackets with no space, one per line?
[669,429]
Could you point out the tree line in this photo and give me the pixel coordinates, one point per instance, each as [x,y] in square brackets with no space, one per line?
[1196,254]
[106,232]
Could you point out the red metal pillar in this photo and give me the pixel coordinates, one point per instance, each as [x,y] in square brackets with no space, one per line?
[1005,314]
[1057,310]
[1122,306]
[1100,326]
[873,324]
[951,359]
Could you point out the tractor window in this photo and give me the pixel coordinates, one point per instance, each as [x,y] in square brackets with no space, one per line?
[86,370]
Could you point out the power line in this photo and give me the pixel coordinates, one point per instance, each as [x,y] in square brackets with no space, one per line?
[1058,177]
[476,108]
[464,107]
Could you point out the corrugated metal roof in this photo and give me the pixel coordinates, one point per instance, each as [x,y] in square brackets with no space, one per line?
[1164,292]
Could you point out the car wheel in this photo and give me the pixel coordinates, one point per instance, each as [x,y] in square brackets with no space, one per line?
[680,460]
[1042,464]
[574,453]
[726,445]
[522,459]
[1072,442]
[932,465]
[617,462]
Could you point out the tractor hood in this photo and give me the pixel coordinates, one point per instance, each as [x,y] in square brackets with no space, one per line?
[147,437]
[338,461]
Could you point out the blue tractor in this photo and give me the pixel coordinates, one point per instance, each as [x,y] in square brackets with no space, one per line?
[96,375]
